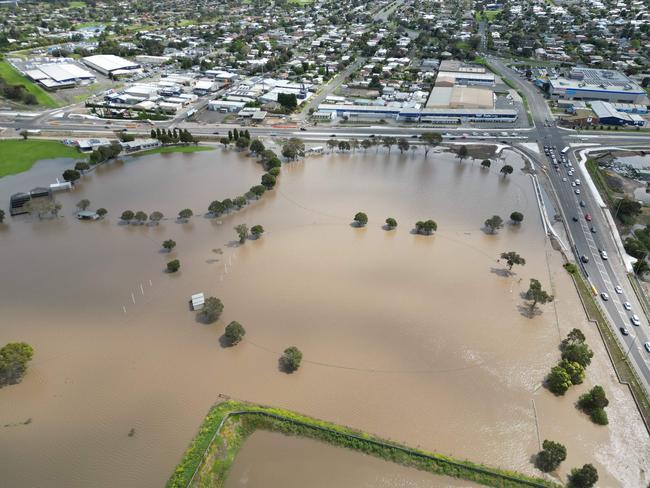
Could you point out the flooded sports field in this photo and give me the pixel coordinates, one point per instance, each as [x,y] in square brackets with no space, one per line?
[420,339]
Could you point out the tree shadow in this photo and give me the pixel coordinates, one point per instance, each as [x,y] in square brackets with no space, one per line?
[387,227]
[503,272]
[487,231]
[233,244]
[528,312]
[225,343]
[356,225]
[283,367]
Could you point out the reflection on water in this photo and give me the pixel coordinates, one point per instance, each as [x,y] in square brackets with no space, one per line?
[386,320]
[269,459]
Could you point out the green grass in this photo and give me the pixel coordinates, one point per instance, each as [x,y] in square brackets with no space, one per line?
[13,77]
[601,183]
[491,14]
[20,155]
[230,422]
[175,149]
[622,366]
[76,4]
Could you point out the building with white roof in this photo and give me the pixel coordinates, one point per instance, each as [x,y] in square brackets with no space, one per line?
[109,64]
[53,76]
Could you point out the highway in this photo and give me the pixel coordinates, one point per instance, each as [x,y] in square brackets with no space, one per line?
[603,274]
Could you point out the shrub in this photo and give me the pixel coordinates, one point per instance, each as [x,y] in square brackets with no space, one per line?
[234,333]
[291,359]
[173,266]
[212,309]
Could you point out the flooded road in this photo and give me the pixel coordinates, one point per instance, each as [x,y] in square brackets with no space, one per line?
[419,339]
[264,462]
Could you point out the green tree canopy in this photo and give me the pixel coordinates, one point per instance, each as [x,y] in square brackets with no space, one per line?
[507,170]
[391,223]
[493,224]
[558,380]
[517,217]
[127,216]
[173,266]
[14,358]
[584,477]
[169,244]
[291,359]
[83,204]
[512,258]
[550,457]
[242,232]
[212,309]
[486,163]
[185,214]
[537,295]
[234,333]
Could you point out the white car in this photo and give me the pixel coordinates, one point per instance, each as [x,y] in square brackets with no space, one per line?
[627,306]
[618,289]
[635,320]
[564,179]
[577,191]
[573,183]
[603,254]
[604,296]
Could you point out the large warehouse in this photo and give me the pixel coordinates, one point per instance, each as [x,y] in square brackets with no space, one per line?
[596,84]
[53,76]
[110,65]
[608,115]
[460,97]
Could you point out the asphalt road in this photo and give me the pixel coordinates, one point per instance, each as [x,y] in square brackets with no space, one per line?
[604,275]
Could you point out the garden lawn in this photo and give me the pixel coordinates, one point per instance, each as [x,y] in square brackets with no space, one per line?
[17,156]
[13,77]
[175,149]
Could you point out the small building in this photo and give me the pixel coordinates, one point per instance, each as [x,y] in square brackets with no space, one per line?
[197,300]
[17,203]
[60,185]
[323,116]
[608,115]
[203,87]
[225,106]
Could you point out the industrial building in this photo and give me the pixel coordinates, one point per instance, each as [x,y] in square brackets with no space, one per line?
[596,84]
[460,97]
[608,115]
[111,65]
[53,76]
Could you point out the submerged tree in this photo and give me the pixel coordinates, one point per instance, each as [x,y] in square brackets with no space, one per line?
[493,224]
[537,295]
[517,217]
[391,223]
[169,244]
[512,258]
[462,153]
[550,457]
[14,357]
[212,309]
[83,204]
[234,332]
[361,219]
[291,359]
[242,232]
[426,227]
[257,231]
[173,266]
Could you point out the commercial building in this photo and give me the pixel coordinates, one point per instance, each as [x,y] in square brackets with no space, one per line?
[460,97]
[225,106]
[110,65]
[596,84]
[430,115]
[53,76]
[608,115]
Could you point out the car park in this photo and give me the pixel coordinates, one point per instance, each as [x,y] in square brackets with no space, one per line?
[635,320]
[604,296]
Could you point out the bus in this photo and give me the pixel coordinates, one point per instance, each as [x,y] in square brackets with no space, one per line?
[565,150]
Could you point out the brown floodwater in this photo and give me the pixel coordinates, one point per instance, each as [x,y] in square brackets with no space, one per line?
[418,339]
[291,462]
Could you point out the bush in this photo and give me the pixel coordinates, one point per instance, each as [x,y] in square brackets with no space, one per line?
[275,171]
[361,219]
[584,477]
[593,403]
[291,359]
[13,362]
[173,266]
[550,457]
[391,223]
[558,380]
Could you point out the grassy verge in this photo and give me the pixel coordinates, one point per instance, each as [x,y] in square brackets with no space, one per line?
[13,77]
[600,182]
[624,370]
[175,149]
[228,423]
[20,155]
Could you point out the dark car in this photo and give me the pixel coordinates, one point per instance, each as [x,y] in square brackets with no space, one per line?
[582,203]
[216,132]
[303,129]
[624,331]
[584,259]
[593,230]
[332,135]
[575,219]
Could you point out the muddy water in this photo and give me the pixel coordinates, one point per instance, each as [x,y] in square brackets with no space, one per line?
[296,462]
[419,339]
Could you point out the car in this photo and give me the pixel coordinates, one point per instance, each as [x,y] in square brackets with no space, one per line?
[332,135]
[371,135]
[216,132]
[577,191]
[618,289]
[572,183]
[647,346]
[588,217]
[584,259]
[635,320]
[624,331]
[414,136]
[564,179]
[604,296]
[574,218]
[582,203]
[303,129]
[627,306]
[603,254]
